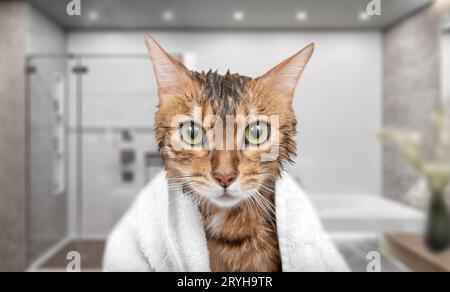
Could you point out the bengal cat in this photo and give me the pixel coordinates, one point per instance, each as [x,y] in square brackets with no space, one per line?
[227,171]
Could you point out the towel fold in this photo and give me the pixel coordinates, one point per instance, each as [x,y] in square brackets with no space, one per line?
[163,231]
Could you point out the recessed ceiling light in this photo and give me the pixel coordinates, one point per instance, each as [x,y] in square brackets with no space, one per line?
[168,15]
[93,15]
[363,16]
[301,15]
[238,15]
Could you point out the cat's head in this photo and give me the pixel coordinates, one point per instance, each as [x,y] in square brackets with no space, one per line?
[225,138]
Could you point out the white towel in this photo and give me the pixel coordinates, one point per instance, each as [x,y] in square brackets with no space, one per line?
[163,231]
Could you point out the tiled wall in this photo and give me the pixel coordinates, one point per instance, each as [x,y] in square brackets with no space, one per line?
[411,92]
[12,136]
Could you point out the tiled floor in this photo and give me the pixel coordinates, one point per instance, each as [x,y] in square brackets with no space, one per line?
[354,251]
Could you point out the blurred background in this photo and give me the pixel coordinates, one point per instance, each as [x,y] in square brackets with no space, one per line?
[78,101]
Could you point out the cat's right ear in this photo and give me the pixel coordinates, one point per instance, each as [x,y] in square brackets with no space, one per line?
[172,76]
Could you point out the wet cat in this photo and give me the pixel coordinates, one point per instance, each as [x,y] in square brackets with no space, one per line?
[225,139]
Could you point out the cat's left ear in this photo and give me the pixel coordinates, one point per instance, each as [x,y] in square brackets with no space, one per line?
[172,76]
[283,79]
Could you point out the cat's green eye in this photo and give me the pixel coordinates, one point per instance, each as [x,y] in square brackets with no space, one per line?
[257,133]
[192,134]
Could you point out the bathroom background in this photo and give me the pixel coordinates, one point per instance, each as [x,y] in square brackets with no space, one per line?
[77,128]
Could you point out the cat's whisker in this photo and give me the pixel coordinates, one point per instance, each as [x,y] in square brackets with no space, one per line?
[270,204]
[269,207]
[255,201]
[197,198]
[177,180]
[270,218]
[185,182]
[172,183]
[252,201]
[261,203]
[176,188]
[187,176]
[191,193]
[260,173]
[268,188]
[268,185]
[268,213]
[180,182]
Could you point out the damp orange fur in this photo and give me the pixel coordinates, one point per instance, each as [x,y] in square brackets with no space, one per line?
[242,237]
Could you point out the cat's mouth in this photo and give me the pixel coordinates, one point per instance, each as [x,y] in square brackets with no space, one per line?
[227,196]
[222,197]
[226,200]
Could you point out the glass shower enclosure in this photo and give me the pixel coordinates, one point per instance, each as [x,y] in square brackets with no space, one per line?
[91,148]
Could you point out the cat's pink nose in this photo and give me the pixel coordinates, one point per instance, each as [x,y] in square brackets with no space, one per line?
[225,179]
